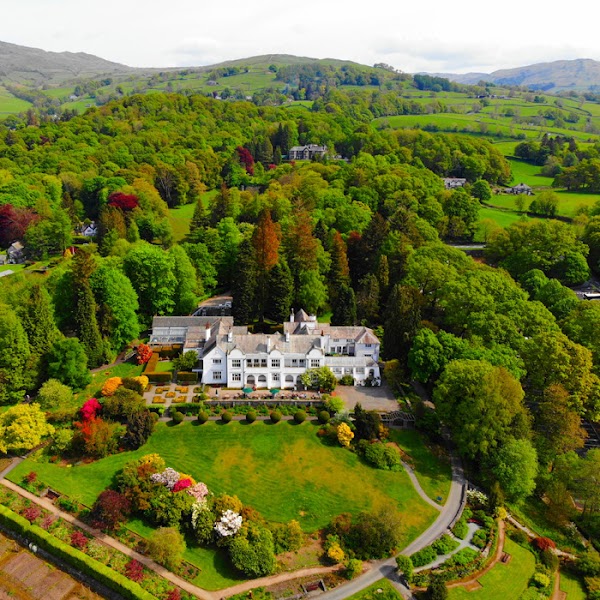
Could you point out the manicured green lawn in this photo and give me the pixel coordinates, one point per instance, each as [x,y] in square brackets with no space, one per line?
[524,172]
[503,218]
[388,592]
[164,366]
[99,379]
[572,585]
[283,470]
[181,216]
[216,571]
[433,472]
[504,581]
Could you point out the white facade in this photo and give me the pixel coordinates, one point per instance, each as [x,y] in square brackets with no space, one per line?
[233,357]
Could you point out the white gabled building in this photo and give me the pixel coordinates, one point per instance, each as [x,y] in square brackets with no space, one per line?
[231,356]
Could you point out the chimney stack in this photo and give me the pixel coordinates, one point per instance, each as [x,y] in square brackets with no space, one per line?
[230,336]
[207,332]
[268,343]
[287,336]
[292,316]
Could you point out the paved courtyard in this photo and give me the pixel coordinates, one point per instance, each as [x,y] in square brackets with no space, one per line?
[371,398]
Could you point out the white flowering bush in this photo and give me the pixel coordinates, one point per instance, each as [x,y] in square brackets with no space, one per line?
[229,523]
[199,491]
[197,508]
[476,497]
[169,477]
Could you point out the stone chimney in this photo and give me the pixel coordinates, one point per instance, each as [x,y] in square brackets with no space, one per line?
[207,332]
[292,316]
[287,336]
[268,343]
[230,336]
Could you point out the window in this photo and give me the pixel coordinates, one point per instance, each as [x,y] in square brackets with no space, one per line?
[263,362]
[236,377]
[275,363]
[216,361]
[314,363]
[218,375]
[368,345]
[248,362]
[236,363]
[276,377]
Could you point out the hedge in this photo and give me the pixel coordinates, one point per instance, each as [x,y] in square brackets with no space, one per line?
[84,563]
[188,408]
[187,377]
[151,364]
[158,377]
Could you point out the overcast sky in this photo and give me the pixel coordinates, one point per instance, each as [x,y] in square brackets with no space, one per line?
[418,35]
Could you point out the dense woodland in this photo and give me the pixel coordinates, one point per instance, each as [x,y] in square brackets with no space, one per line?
[361,237]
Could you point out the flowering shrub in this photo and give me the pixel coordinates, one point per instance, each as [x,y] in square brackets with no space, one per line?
[144,381]
[169,477]
[198,491]
[345,435]
[229,523]
[144,353]
[32,513]
[31,477]
[90,409]
[174,594]
[134,570]
[111,385]
[182,484]
[78,540]
[476,497]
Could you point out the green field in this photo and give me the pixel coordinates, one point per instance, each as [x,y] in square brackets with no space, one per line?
[434,474]
[504,581]
[181,216]
[524,172]
[285,471]
[9,104]
[572,586]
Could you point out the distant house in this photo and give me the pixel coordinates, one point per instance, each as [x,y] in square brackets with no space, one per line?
[522,188]
[307,152]
[16,253]
[90,230]
[454,182]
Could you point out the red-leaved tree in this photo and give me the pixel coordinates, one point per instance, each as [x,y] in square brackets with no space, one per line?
[123,201]
[246,159]
[13,223]
[544,543]
[144,353]
[110,509]
[78,540]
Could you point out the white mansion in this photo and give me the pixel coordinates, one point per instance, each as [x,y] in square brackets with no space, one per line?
[231,356]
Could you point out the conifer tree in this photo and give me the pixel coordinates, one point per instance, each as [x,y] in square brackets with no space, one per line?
[37,318]
[281,292]
[244,284]
[344,306]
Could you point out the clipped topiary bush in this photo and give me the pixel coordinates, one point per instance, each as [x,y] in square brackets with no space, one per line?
[275,416]
[226,417]
[299,416]
[423,557]
[202,416]
[177,417]
[323,417]
[251,416]
[461,529]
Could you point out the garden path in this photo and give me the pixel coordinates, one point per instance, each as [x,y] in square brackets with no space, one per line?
[418,488]
[14,462]
[109,541]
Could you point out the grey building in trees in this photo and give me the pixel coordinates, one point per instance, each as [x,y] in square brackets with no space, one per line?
[307,152]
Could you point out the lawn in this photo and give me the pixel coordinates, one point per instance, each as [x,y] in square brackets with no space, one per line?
[284,471]
[216,571]
[503,218]
[524,172]
[100,377]
[181,216]
[572,586]
[431,468]
[504,580]
[388,592]
[164,366]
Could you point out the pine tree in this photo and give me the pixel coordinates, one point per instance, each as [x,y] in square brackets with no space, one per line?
[367,299]
[402,320]
[37,318]
[339,274]
[281,293]
[265,241]
[344,306]
[86,324]
[199,219]
[244,284]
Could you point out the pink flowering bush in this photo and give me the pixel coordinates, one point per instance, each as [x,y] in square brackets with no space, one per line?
[134,570]
[182,484]
[90,409]
[32,513]
[78,540]
[198,491]
[47,521]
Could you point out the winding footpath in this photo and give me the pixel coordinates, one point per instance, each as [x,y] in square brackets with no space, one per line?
[387,567]
[377,569]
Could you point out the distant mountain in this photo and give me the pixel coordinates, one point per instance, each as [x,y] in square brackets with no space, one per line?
[578,74]
[32,66]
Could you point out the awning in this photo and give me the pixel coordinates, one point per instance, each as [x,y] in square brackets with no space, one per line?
[247,390]
[274,391]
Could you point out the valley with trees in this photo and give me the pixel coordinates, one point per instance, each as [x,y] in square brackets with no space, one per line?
[188,196]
